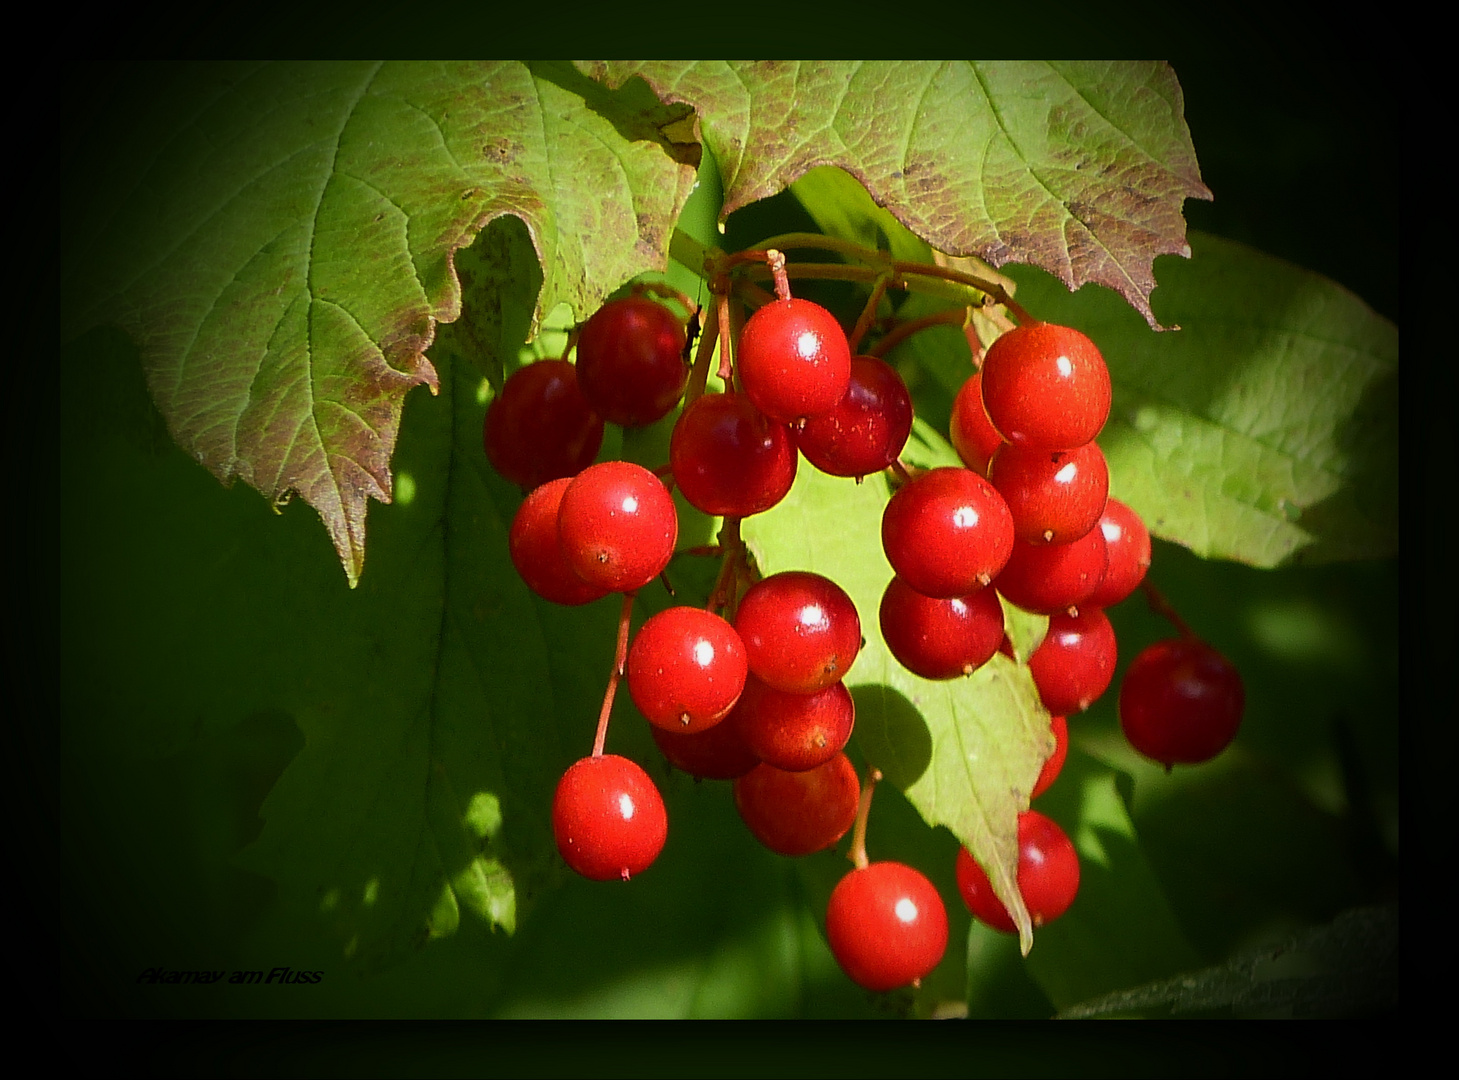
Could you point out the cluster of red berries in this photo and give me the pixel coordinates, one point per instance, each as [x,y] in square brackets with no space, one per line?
[750,688]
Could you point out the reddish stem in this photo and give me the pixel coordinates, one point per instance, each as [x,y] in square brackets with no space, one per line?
[699,374]
[776,259]
[620,660]
[1162,606]
[950,317]
[726,585]
[726,350]
[868,313]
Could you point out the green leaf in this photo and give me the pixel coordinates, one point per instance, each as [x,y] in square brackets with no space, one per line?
[1078,168]
[279,240]
[966,752]
[1264,430]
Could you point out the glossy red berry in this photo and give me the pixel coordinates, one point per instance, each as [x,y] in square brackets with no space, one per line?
[1075,662]
[797,813]
[947,533]
[793,360]
[618,526]
[631,361]
[1048,876]
[1047,578]
[795,732]
[1046,387]
[539,427]
[940,639]
[1128,543]
[1181,702]
[729,459]
[608,818]
[972,434]
[1050,772]
[886,925]
[867,429]
[714,753]
[686,669]
[537,552]
[1055,497]
[801,631]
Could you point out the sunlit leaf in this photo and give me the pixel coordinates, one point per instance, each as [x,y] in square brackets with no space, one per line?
[1265,430]
[278,239]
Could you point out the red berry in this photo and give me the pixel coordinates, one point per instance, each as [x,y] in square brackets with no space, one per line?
[729,459]
[618,526]
[1055,497]
[867,429]
[539,427]
[795,732]
[631,361]
[686,669]
[947,533]
[1046,387]
[940,639]
[973,435]
[1047,578]
[1128,543]
[793,360]
[1048,876]
[1050,772]
[886,925]
[801,631]
[537,552]
[1181,702]
[715,753]
[1075,662]
[797,813]
[608,818]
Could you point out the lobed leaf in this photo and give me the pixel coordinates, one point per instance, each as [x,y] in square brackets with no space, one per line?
[279,240]
[1078,168]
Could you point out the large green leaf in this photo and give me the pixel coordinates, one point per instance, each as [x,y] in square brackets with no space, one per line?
[279,239]
[1265,430]
[966,752]
[1078,168]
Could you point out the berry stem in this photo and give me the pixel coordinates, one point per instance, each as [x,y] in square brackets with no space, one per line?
[900,471]
[668,292]
[915,277]
[723,597]
[857,854]
[726,348]
[1162,606]
[776,261]
[900,333]
[868,313]
[699,375]
[572,341]
[620,661]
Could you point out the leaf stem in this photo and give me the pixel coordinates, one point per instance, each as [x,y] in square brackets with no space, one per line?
[620,661]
